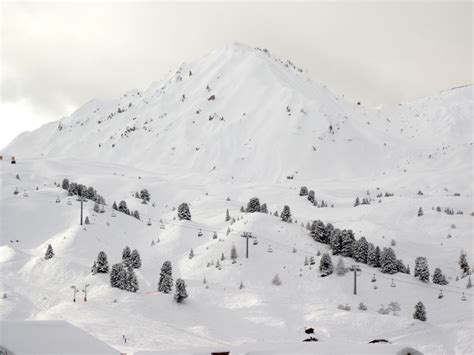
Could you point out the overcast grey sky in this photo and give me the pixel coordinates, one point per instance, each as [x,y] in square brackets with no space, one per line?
[56,56]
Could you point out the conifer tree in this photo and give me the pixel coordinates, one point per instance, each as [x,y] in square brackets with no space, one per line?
[233,254]
[463,264]
[361,250]
[65,184]
[227,215]
[86,221]
[340,267]
[135,259]
[145,196]
[114,206]
[303,191]
[191,254]
[102,263]
[253,205]
[94,268]
[469,283]
[421,269]
[336,241]
[126,256]
[166,279]
[116,276]
[122,207]
[388,261]
[183,212]
[264,208]
[49,252]
[286,214]
[420,312]
[420,212]
[180,293]
[325,266]
[357,202]
[131,280]
[317,231]
[136,214]
[347,242]
[276,280]
[439,278]
[311,197]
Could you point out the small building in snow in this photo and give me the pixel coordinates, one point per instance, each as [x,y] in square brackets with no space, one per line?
[49,337]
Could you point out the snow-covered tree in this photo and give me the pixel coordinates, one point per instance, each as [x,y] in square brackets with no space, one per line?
[420,212]
[421,269]
[439,278]
[253,205]
[233,254]
[227,215]
[311,197]
[303,191]
[131,280]
[340,267]
[180,293]
[325,266]
[65,184]
[317,231]
[276,280]
[166,278]
[361,250]
[135,259]
[49,252]
[86,221]
[183,212]
[122,207]
[286,214]
[102,263]
[347,242]
[388,261]
[191,254]
[264,208]
[145,196]
[469,283]
[463,264]
[136,214]
[420,312]
[126,256]
[114,206]
[357,202]
[118,276]
[94,268]
[335,241]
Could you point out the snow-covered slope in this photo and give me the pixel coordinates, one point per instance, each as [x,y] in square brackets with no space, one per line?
[160,142]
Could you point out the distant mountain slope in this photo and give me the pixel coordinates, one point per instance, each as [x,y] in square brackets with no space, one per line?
[241,113]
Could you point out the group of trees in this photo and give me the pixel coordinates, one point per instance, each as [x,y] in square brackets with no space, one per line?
[75,189]
[122,207]
[144,195]
[122,275]
[343,242]
[311,197]
[184,212]
[165,283]
[365,201]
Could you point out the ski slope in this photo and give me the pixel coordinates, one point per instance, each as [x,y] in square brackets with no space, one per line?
[181,156]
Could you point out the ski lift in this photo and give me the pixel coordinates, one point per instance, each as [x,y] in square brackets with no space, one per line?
[162,226]
[393,284]
[199,233]
[270,250]
[16,192]
[255,241]
[25,194]
[373,278]
[463,298]
[149,222]
[58,200]
[440,294]
[113,214]
[69,203]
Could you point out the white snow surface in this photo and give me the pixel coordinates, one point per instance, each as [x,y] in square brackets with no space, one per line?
[182,156]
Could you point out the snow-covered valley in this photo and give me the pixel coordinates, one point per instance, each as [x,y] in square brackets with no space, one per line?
[236,124]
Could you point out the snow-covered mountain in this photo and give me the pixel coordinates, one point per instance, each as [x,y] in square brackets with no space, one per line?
[235,124]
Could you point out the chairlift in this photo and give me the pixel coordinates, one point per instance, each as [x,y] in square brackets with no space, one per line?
[58,200]
[463,298]
[162,226]
[270,250]
[149,222]
[440,294]
[393,284]
[113,214]
[69,202]
[199,233]
[25,194]
[373,278]
[16,192]
[255,241]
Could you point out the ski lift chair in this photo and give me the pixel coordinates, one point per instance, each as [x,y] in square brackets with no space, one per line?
[393,284]
[373,278]
[270,250]
[255,241]
[113,214]
[440,294]
[463,298]
[58,200]
[199,233]
[25,194]
[149,222]
[16,192]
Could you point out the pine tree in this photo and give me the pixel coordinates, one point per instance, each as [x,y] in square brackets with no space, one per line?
[317,231]
[102,263]
[49,252]
[180,293]
[361,250]
[303,191]
[145,196]
[136,214]
[388,261]
[463,264]
[264,208]
[135,259]
[86,221]
[371,257]
[439,278]
[227,215]
[241,286]
[357,202]
[421,269]
[131,280]
[275,213]
[233,254]
[253,205]
[222,257]
[325,266]
[276,280]
[347,242]
[123,207]
[420,212]
[311,197]
[114,206]
[336,241]
[65,184]
[166,279]
[183,212]
[94,268]
[286,214]
[116,275]
[126,256]
[340,267]
[469,283]
[191,254]
[420,312]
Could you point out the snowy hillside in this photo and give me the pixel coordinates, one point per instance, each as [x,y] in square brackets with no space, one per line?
[267,121]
